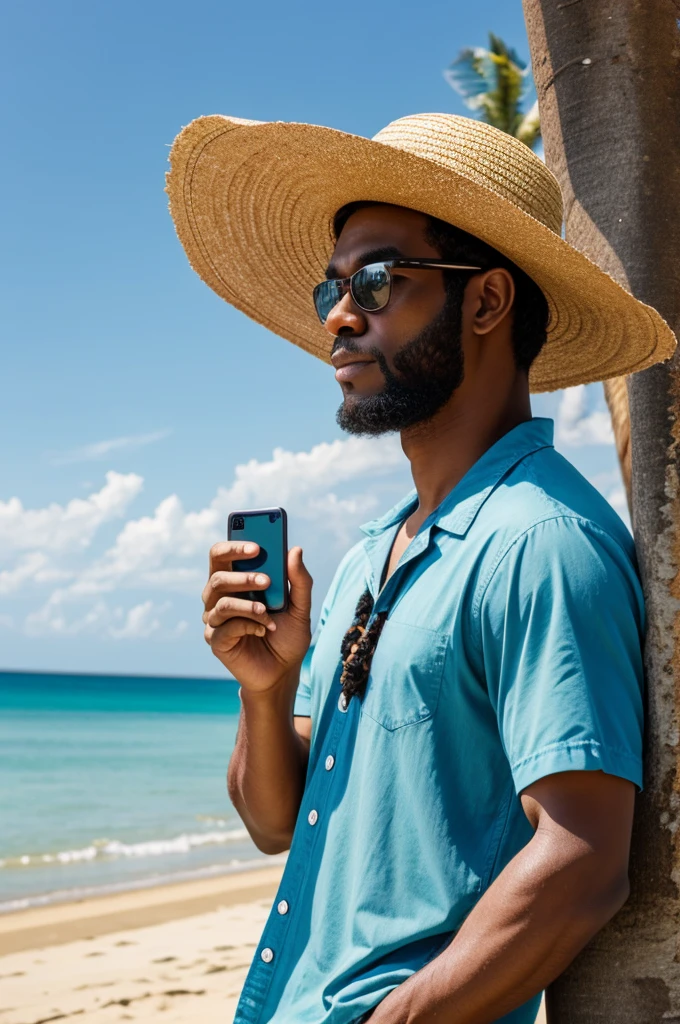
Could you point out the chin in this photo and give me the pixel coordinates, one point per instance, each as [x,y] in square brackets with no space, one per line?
[357,416]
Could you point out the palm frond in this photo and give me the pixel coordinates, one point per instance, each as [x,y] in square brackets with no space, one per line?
[501,49]
[493,83]
[471,75]
[529,130]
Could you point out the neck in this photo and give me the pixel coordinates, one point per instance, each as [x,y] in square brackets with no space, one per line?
[442,450]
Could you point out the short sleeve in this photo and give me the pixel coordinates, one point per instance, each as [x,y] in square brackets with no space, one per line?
[561,622]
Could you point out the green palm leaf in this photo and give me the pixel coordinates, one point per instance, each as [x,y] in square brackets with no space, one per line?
[494,84]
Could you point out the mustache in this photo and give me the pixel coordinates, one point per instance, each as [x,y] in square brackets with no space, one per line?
[348,342]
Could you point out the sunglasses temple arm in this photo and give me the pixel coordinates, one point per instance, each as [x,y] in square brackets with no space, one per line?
[423,264]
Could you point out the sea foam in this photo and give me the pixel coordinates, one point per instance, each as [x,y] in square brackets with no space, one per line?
[113,849]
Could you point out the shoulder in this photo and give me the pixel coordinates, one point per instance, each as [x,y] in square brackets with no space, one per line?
[564,572]
[544,488]
[548,523]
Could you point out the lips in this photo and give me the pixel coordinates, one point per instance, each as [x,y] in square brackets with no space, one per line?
[348,371]
[349,365]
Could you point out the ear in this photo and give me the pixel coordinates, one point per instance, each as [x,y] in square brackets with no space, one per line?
[495,295]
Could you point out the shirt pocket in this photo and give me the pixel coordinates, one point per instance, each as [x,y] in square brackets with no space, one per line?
[406,675]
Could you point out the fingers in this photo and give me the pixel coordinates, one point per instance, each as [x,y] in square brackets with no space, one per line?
[225,551]
[222,582]
[300,584]
[225,637]
[238,608]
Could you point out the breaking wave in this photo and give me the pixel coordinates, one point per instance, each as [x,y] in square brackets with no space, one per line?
[115,849]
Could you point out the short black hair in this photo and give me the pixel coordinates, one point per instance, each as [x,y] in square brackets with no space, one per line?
[530,311]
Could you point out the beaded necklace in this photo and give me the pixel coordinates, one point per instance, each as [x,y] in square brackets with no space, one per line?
[358,647]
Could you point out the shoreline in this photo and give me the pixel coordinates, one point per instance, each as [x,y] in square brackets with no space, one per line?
[77,894]
[95,916]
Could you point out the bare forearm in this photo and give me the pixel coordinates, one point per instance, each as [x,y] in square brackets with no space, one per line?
[522,934]
[267,769]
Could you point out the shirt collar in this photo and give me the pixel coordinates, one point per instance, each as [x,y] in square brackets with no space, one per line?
[459,508]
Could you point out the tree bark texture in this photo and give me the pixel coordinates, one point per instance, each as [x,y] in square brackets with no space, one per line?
[608,81]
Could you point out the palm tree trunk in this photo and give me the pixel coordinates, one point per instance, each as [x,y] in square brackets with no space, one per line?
[608,80]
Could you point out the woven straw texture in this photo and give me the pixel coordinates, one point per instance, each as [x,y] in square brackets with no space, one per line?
[253,204]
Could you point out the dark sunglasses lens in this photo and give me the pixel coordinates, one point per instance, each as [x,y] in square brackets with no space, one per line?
[371,286]
[326,297]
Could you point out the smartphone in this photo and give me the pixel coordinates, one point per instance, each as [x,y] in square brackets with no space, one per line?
[267,527]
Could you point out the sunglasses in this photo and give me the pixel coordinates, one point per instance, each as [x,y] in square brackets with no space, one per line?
[371,286]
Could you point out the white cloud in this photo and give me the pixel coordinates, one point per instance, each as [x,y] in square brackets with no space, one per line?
[617,499]
[66,527]
[140,622]
[576,426]
[610,485]
[26,569]
[293,475]
[299,481]
[60,616]
[34,567]
[53,619]
[100,449]
[328,491]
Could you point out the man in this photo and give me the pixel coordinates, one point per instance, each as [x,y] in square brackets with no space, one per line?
[453,760]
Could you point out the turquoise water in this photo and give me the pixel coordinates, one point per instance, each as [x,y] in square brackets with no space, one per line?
[111,782]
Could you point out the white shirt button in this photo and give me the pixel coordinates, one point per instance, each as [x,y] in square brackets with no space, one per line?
[312,817]
[343,703]
[283,907]
[330,761]
[267,955]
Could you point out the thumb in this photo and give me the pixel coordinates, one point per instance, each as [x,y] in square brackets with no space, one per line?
[300,584]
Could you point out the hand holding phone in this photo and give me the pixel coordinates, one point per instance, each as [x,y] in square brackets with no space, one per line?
[260,646]
[268,528]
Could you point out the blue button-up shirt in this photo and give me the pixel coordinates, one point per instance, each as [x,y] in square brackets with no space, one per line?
[512,650]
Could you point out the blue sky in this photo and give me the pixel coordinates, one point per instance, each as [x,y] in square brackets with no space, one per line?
[137,407]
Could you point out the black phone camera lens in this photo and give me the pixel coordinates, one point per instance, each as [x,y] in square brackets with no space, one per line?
[274,517]
[238,523]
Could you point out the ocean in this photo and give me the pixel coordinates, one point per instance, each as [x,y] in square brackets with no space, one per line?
[112,783]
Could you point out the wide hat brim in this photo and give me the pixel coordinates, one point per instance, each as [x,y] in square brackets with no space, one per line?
[254,202]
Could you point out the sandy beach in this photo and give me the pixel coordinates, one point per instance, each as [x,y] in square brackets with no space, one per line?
[176,953]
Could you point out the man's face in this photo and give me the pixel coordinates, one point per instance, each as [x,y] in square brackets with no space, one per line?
[409,357]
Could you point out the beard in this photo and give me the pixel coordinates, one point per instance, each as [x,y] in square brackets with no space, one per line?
[429,368]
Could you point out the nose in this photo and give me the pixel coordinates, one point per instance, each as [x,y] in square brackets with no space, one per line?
[345,318]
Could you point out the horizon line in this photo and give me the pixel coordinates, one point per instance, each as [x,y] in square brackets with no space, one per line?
[109,675]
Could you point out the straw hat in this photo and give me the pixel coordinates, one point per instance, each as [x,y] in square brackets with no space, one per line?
[253,203]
